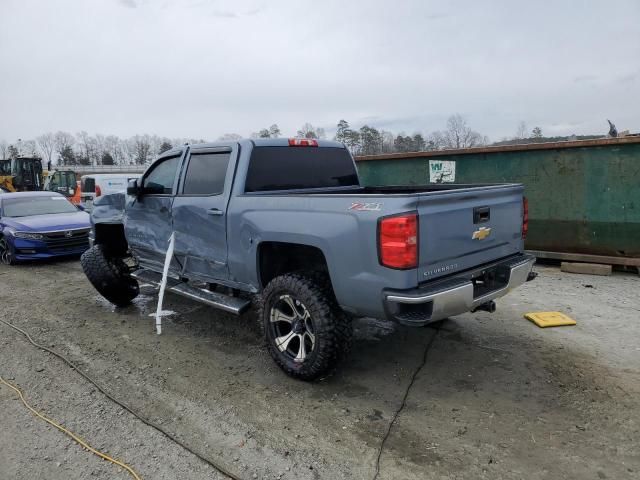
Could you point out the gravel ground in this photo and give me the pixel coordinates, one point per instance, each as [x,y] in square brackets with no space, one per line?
[497,398]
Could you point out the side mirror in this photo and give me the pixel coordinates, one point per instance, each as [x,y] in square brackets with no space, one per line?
[133,188]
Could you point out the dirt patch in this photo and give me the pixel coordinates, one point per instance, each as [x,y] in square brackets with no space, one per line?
[497,398]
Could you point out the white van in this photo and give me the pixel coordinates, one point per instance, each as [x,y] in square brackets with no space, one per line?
[94,185]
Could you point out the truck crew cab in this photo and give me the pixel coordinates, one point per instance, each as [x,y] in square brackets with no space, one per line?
[285,223]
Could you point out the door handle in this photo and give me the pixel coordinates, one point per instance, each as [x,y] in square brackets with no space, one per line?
[481,214]
[215,211]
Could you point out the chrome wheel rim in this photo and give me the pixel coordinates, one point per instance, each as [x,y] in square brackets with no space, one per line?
[5,253]
[292,328]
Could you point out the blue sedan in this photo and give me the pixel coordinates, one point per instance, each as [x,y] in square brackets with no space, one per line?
[39,225]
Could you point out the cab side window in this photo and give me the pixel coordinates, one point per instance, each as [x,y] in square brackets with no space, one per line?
[206,173]
[160,179]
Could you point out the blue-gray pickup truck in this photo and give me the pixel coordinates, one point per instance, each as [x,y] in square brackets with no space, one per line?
[285,225]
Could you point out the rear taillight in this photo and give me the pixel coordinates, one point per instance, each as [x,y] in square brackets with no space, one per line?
[98,191]
[525,217]
[303,142]
[398,241]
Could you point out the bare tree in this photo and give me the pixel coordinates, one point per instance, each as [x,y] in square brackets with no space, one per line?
[88,149]
[63,141]
[436,141]
[227,137]
[156,142]
[4,150]
[460,135]
[309,131]
[522,131]
[28,148]
[352,141]
[128,150]
[100,149]
[142,149]
[47,144]
[112,146]
[387,141]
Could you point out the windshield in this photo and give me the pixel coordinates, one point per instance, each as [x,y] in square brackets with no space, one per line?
[26,206]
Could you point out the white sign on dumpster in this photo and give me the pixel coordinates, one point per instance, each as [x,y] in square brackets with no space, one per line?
[442,171]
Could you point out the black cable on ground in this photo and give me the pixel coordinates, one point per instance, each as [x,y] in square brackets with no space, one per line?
[404,401]
[215,464]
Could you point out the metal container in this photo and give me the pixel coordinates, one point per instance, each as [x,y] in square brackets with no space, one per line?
[584,196]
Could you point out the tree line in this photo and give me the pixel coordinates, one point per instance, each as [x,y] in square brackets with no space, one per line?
[368,140]
[63,148]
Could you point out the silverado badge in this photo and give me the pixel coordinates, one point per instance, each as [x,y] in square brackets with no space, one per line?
[481,233]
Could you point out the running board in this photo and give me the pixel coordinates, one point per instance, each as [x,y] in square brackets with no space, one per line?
[227,303]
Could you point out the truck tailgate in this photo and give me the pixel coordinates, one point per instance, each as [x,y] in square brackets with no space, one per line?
[462,229]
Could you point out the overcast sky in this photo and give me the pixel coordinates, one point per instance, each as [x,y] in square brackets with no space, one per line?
[202,68]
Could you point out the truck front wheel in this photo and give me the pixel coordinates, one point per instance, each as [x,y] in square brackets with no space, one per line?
[6,253]
[109,275]
[307,334]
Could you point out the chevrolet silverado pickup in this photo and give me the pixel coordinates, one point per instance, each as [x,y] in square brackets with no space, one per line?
[285,225]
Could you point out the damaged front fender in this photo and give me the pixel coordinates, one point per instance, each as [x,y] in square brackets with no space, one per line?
[107,227]
[108,208]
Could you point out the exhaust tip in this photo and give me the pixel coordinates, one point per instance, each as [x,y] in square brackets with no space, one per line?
[490,307]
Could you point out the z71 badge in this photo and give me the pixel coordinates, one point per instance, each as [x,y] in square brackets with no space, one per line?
[366,207]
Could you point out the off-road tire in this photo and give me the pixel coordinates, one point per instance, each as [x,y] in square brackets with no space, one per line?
[333,329]
[109,276]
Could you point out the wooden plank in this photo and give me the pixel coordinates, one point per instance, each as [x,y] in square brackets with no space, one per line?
[581,257]
[586,268]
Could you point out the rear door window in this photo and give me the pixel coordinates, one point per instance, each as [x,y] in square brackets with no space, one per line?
[206,173]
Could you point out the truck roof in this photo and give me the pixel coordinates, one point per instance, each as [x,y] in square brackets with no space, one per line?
[250,142]
[107,176]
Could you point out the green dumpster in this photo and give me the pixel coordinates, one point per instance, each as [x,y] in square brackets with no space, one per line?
[584,196]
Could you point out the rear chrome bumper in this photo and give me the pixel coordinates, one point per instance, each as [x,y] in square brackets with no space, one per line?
[458,294]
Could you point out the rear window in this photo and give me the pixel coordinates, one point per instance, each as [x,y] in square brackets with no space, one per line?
[288,168]
[88,185]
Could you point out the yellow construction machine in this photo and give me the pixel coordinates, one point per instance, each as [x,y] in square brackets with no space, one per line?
[26,174]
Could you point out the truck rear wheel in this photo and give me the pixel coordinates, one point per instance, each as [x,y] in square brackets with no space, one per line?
[109,275]
[306,332]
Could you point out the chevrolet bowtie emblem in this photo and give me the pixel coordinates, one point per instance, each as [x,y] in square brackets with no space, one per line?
[481,233]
